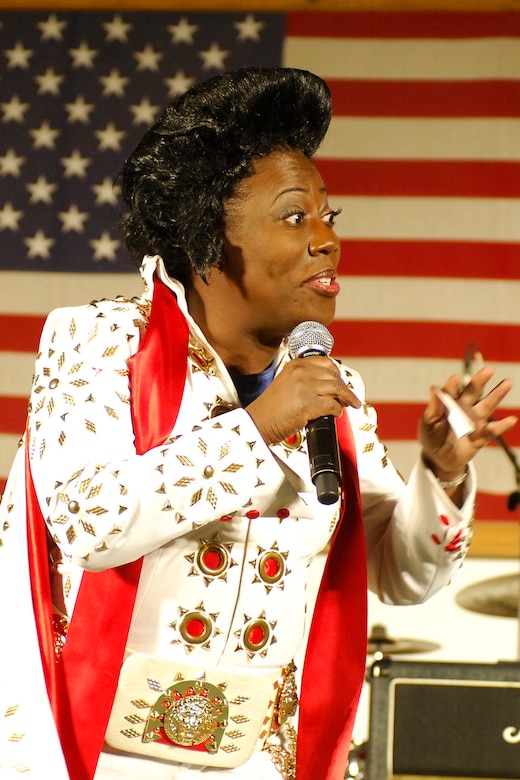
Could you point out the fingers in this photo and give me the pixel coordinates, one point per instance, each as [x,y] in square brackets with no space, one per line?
[487,405]
[483,406]
[435,410]
[306,388]
[323,377]
[497,428]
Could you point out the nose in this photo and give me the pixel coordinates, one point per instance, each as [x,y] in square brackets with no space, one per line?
[323,241]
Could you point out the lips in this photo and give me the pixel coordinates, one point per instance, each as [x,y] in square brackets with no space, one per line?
[325,282]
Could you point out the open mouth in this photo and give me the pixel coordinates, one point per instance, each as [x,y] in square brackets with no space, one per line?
[325,282]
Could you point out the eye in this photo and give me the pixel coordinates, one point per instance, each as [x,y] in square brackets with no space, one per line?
[330,217]
[295,217]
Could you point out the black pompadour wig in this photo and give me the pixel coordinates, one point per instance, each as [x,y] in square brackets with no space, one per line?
[176,180]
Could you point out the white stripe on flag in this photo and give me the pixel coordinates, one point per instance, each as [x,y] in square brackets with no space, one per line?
[405,58]
[422,138]
[461,219]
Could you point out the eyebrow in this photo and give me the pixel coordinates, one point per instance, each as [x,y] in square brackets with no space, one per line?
[323,190]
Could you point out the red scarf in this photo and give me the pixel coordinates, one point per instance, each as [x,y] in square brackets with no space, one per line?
[82,686]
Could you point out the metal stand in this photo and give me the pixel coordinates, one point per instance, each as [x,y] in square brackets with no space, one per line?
[512,502]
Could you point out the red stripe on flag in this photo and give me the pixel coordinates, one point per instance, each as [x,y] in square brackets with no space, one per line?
[446,178]
[13,414]
[396,24]
[399,422]
[439,259]
[373,338]
[20,333]
[448,340]
[477,98]
[493,506]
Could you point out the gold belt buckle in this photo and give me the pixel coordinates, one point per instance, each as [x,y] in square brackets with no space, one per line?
[191,714]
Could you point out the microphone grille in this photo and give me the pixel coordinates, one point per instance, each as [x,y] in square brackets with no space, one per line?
[310,337]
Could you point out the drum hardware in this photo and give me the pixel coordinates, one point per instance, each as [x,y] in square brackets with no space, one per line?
[380,642]
[497,596]
[357,761]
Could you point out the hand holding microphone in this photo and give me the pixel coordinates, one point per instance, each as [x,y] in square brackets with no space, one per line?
[310,339]
[309,393]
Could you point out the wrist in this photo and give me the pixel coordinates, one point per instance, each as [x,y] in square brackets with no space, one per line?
[448,484]
[446,479]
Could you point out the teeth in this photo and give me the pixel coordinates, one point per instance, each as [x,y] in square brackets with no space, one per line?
[327,280]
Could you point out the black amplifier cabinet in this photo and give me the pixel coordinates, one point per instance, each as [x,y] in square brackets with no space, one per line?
[438,720]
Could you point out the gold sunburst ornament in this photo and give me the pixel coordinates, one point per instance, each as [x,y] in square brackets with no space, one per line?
[190,714]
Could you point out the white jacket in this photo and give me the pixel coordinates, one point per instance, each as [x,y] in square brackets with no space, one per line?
[207,510]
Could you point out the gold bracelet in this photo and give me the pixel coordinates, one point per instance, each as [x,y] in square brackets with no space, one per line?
[451,483]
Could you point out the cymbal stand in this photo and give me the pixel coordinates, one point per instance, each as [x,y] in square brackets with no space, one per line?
[512,502]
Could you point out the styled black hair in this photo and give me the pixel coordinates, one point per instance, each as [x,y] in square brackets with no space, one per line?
[186,165]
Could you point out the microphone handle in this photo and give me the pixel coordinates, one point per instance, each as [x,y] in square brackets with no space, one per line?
[324,463]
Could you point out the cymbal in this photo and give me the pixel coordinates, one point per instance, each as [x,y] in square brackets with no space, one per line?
[380,642]
[497,596]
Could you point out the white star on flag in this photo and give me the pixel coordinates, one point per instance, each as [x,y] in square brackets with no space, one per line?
[73,219]
[110,137]
[39,245]
[117,29]
[104,247]
[52,28]
[75,165]
[148,58]
[214,57]
[79,110]
[114,83]
[178,84]
[106,192]
[83,56]
[249,29]
[183,31]
[144,112]
[9,217]
[44,136]
[18,57]
[10,163]
[49,82]
[41,190]
[14,110]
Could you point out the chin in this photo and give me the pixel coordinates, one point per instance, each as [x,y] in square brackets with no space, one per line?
[324,315]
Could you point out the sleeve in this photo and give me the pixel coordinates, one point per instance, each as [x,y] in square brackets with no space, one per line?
[104,504]
[416,537]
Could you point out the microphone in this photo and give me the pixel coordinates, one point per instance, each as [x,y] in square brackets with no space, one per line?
[306,340]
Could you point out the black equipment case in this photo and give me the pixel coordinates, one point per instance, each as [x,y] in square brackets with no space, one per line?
[438,720]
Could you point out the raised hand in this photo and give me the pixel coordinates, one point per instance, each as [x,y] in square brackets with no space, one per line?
[443,451]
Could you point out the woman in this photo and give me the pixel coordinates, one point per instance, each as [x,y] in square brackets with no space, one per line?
[166,452]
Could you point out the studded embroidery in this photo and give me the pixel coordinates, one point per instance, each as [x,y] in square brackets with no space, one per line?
[270,567]
[255,636]
[212,561]
[293,444]
[201,360]
[195,628]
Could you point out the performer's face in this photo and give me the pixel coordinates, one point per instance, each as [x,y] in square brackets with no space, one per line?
[281,251]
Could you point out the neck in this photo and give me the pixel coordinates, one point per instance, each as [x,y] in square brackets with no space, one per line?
[239,348]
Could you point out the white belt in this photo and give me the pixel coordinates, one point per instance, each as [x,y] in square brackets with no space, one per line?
[182,713]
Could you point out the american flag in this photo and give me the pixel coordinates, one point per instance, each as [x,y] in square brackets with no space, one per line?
[422,155]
